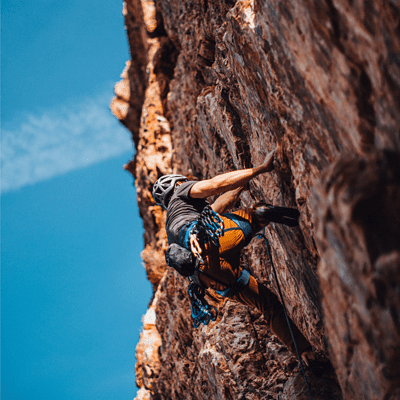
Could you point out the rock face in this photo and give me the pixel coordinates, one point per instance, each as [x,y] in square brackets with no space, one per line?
[357,209]
[213,87]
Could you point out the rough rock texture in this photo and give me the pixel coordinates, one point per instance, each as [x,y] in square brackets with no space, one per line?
[357,209]
[214,86]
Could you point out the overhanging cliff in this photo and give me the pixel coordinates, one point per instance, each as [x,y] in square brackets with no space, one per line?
[214,86]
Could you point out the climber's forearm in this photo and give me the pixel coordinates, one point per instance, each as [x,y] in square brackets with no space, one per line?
[226,201]
[230,180]
[223,183]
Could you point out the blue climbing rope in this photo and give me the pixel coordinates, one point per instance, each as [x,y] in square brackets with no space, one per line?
[202,312]
[262,235]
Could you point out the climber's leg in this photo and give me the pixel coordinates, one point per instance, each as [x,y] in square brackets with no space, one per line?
[234,239]
[259,296]
[239,228]
[226,271]
[218,274]
[256,218]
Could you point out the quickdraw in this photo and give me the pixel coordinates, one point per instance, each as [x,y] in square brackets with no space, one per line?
[207,227]
[195,248]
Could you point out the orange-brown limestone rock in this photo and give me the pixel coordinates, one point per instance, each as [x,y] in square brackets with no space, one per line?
[147,357]
[120,104]
[214,86]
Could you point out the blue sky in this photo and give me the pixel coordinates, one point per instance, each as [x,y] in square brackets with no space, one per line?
[73,288]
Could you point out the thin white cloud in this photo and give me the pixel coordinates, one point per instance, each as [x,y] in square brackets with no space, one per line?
[60,140]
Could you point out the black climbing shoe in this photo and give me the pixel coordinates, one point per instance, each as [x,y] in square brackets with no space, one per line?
[280,215]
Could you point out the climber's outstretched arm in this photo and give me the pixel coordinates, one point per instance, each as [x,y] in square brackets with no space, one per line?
[231,180]
[227,200]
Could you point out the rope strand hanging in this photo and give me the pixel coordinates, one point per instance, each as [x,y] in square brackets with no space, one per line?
[262,235]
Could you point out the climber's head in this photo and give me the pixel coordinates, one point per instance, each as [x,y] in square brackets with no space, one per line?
[164,188]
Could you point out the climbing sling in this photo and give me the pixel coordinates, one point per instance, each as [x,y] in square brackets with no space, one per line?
[262,235]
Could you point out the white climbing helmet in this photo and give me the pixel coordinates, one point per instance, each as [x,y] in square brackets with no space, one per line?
[164,187]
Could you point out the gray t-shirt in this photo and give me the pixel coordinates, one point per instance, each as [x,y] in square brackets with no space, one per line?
[182,209]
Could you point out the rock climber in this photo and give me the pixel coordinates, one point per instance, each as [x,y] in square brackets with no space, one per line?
[220,269]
